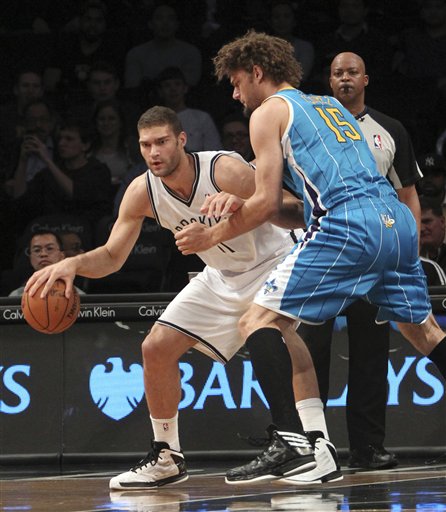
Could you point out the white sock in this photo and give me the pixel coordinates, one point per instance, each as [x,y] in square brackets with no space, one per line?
[311,414]
[166,430]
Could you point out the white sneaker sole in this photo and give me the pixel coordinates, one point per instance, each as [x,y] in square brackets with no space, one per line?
[332,477]
[145,486]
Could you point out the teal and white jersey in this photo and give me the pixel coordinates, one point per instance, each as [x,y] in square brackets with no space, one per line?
[323,169]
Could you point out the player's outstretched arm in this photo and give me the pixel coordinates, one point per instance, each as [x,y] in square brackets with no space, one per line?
[108,258]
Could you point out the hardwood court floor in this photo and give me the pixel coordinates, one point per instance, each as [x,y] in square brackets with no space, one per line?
[413,486]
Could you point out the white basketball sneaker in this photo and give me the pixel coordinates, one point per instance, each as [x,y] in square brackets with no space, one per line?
[327,466]
[162,466]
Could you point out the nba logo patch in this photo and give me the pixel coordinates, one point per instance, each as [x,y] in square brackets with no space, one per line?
[377,142]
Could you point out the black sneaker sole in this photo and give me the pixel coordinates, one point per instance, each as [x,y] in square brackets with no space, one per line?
[268,477]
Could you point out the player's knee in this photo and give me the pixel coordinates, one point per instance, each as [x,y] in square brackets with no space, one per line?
[153,348]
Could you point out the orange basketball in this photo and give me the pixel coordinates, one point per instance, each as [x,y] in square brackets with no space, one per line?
[53,314]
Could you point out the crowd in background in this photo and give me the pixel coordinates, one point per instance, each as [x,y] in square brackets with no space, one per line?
[76,76]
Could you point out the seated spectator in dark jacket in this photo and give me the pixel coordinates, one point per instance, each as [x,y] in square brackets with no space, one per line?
[432,234]
[75,184]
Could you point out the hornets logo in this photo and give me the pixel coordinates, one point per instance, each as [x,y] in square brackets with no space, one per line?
[387,220]
[270,287]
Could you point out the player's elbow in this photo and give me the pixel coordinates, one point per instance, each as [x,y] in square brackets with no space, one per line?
[114,262]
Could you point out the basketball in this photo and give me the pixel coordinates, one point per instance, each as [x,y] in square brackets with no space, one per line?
[53,314]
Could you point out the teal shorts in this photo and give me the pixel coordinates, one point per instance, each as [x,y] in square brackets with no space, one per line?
[367,249]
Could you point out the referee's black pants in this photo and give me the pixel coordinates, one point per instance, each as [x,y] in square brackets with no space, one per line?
[367,378]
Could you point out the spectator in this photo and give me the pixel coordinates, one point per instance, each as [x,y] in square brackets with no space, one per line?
[45,248]
[353,34]
[421,49]
[74,184]
[71,243]
[36,145]
[435,275]
[146,61]
[283,24]
[202,134]
[420,60]
[433,185]
[78,52]
[24,16]
[72,246]
[440,144]
[111,144]
[103,84]
[27,87]
[235,135]
[135,171]
[432,236]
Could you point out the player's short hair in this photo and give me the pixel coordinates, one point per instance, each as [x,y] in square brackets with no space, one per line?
[274,55]
[160,116]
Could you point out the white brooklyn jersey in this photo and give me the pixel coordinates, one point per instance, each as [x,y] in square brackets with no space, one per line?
[239,254]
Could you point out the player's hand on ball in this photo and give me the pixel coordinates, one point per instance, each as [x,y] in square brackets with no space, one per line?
[64,270]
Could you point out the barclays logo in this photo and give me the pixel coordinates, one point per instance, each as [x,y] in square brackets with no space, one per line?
[117,392]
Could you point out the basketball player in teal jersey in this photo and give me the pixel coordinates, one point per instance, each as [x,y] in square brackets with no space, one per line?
[360,240]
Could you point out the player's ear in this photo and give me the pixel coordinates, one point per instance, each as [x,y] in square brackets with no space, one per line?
[257,72]
[183,139]
[366,80]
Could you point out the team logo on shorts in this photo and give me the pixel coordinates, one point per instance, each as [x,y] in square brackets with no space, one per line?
[387,220]
[270,287]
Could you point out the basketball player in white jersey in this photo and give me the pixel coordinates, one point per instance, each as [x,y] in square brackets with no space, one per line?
[205,314]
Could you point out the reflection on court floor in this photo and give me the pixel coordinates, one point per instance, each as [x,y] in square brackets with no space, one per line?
[417,487]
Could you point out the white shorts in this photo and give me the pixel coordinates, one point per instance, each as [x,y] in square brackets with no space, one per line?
[209,307]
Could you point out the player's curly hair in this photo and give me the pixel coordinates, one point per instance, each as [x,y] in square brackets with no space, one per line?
[274,55]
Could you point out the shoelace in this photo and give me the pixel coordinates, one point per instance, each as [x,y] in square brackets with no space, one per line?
[255,441]
[151,458]
[259,441]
